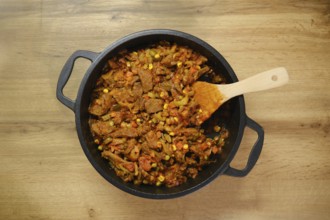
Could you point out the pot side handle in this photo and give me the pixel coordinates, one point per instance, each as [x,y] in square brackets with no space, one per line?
[66,73]
[254,154]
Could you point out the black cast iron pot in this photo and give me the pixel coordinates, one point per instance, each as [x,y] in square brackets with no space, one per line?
[233,116]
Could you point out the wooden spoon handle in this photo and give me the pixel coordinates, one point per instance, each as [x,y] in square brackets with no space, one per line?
[266,80]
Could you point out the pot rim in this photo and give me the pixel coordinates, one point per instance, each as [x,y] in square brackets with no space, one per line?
[100,58]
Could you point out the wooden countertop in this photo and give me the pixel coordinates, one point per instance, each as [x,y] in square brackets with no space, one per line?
[44,173]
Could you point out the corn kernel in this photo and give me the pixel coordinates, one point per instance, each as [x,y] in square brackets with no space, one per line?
[200,110]
[158,183]
[167,157]
[154,165]
[100,147]
[185,146]
[111,123]
[128,64]
[96,141]
[165,106]
[161,178]
[179,64]
[138,120]
[150,66]
[135,53]
[105,90]
[174,147]
[157,55]
[162,94]
[171,133]
[176,119]
[216,128]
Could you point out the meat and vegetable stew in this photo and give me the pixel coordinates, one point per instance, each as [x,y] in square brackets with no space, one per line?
[144,119]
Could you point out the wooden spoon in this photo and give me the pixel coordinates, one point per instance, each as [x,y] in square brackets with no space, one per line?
[211,96]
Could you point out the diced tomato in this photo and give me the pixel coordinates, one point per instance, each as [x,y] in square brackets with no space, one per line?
[129,166]
[145,163]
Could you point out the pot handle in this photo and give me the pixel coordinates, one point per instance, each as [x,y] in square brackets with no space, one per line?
[255,152]
[66,73]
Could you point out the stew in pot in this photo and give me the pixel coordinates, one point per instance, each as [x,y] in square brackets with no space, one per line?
[144,119]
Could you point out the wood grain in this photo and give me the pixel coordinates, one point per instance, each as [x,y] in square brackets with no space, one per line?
[43,171]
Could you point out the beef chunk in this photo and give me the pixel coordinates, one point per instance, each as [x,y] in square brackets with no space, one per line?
[154,105]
